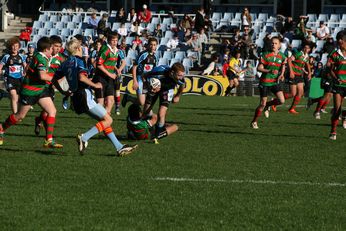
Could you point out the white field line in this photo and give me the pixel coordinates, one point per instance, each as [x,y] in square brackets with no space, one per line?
[331,184]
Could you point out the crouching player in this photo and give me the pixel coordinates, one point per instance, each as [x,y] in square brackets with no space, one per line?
[143,129]
[337,68]
[272,66]
[169,78]
[76,74]
[36,90]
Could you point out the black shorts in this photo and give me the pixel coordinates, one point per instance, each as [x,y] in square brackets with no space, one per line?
[296,80]
[13,84]
[231,75]
[339,90]
[327,85]
[165,97]
[108,87]
[264,90]
[32,100]
[51,92]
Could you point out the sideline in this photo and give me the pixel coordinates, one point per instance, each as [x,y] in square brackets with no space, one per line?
[331,184]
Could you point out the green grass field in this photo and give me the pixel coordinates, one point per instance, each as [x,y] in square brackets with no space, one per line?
[215,173]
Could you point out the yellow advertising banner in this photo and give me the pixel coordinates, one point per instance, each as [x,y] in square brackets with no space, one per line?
[194,85]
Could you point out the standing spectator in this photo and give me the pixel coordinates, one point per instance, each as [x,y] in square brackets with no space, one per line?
[323,31]
[120,17]
[132,15]
[196,45]
[25,35]
[102,26]
[203,39]
[145,15]
[199,19]
[93,21]
[246,18]
[309,37]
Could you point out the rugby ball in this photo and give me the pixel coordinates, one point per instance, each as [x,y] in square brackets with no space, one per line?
[155,83]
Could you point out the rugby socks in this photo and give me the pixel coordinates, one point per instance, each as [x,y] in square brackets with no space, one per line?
[110,134]
[320,104]
[273,102]
[11,120]
[93,131]
[257,114]
[288,95]
[334,125]
[295,102]
[117,101]
[50,127]
[325,104]
[161,132]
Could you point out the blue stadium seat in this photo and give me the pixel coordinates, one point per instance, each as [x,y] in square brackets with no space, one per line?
[60,25]
[227,17]
[168,55]
[180,55]
[188,62]
[53,31]
[163,61]
[173,61]
[48,25]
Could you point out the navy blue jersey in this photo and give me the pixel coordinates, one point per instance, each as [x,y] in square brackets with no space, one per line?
[162,73]
[71,69]
[146,62]
[13,65]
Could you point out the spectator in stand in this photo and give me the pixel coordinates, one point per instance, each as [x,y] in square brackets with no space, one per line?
[203,39]
[267,45]
[123,46]
[199,19]
[158,31]
[212,68]
[253,54]
[132,15]
[186,22]
[289,25]
[93,21]
[323,31]
[122,30]
[136,29]
[173,43]
[310,38]
[187,35]
[145,15]
[329,46]
[246,18]
[25,35]
[137,44]
[120,17]
[196,45]
[102,26]
[249,71]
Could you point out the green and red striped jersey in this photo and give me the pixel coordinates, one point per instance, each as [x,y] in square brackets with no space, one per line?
[32,83]
[108,58]
[339,62]
[138,130]
[271,61]
[300,60]
[55,63]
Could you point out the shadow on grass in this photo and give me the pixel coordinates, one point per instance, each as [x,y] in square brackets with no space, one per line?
[215,109]
[248,133]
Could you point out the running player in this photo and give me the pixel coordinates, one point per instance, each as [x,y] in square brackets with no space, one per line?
[143,129]
[297,62]
[106,71]
[76,73]
[272,66]
[169,77]
[146,61]
[55,62]
[14,64]
[337,68]
[35,90]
